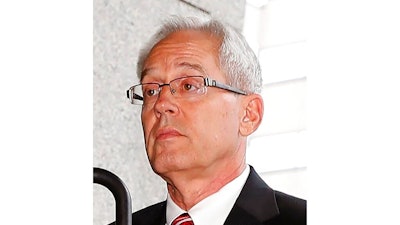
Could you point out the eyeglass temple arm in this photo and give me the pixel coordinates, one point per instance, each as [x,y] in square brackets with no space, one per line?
[134,96]
[213,83]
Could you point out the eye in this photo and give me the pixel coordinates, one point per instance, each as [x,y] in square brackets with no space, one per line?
[187,86]
[191,84]
[150,90]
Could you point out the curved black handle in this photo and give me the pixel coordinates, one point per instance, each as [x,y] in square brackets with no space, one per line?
[123,215]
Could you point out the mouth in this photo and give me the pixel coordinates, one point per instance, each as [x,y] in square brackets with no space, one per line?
[167,133]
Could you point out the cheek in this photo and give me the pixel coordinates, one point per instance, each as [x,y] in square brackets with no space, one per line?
[219,121]
[228,124]
[147,124]
[228,113]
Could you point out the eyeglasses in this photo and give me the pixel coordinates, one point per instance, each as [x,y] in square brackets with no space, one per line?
[183,87]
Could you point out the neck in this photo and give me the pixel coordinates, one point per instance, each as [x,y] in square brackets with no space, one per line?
[187,188]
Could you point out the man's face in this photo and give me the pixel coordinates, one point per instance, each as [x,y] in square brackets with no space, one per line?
[196,133]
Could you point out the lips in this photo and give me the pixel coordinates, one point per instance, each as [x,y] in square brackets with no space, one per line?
[167,133]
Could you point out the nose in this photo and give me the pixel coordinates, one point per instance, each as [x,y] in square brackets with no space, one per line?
[165,103]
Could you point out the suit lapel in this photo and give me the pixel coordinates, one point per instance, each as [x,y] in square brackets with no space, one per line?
[256,203]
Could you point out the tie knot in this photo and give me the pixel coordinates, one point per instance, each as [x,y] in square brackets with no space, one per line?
[183,219]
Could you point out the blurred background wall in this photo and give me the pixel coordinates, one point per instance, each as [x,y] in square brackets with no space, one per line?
[276,30]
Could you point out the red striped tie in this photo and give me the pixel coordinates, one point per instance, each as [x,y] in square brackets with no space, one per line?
[183,219]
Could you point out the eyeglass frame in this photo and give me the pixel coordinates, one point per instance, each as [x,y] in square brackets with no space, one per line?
[208,82]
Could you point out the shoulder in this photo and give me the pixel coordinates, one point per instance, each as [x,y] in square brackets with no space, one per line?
[269,205]
[277,201]
[152,215]
[292,210]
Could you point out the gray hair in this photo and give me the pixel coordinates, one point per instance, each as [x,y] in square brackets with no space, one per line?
[236,57]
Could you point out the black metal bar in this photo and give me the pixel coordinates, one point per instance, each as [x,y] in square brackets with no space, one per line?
[121,194]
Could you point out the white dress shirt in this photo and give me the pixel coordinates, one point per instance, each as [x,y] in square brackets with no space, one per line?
[214,209]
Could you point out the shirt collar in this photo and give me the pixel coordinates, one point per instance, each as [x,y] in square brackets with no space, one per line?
[214,209]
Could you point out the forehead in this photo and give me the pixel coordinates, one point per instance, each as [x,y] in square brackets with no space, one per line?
[182,48]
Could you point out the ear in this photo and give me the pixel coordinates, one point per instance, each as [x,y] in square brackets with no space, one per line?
[253,107]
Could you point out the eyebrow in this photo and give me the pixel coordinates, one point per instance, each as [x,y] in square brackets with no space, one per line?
[194,66]
[197,67]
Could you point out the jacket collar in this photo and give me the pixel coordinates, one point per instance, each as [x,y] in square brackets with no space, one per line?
[255,204]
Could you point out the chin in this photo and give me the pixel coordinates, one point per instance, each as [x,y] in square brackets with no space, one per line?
[162,167]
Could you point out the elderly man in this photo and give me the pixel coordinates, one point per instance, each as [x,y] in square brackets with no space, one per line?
[199,90]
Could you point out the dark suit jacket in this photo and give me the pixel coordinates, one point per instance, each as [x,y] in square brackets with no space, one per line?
[257,204]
